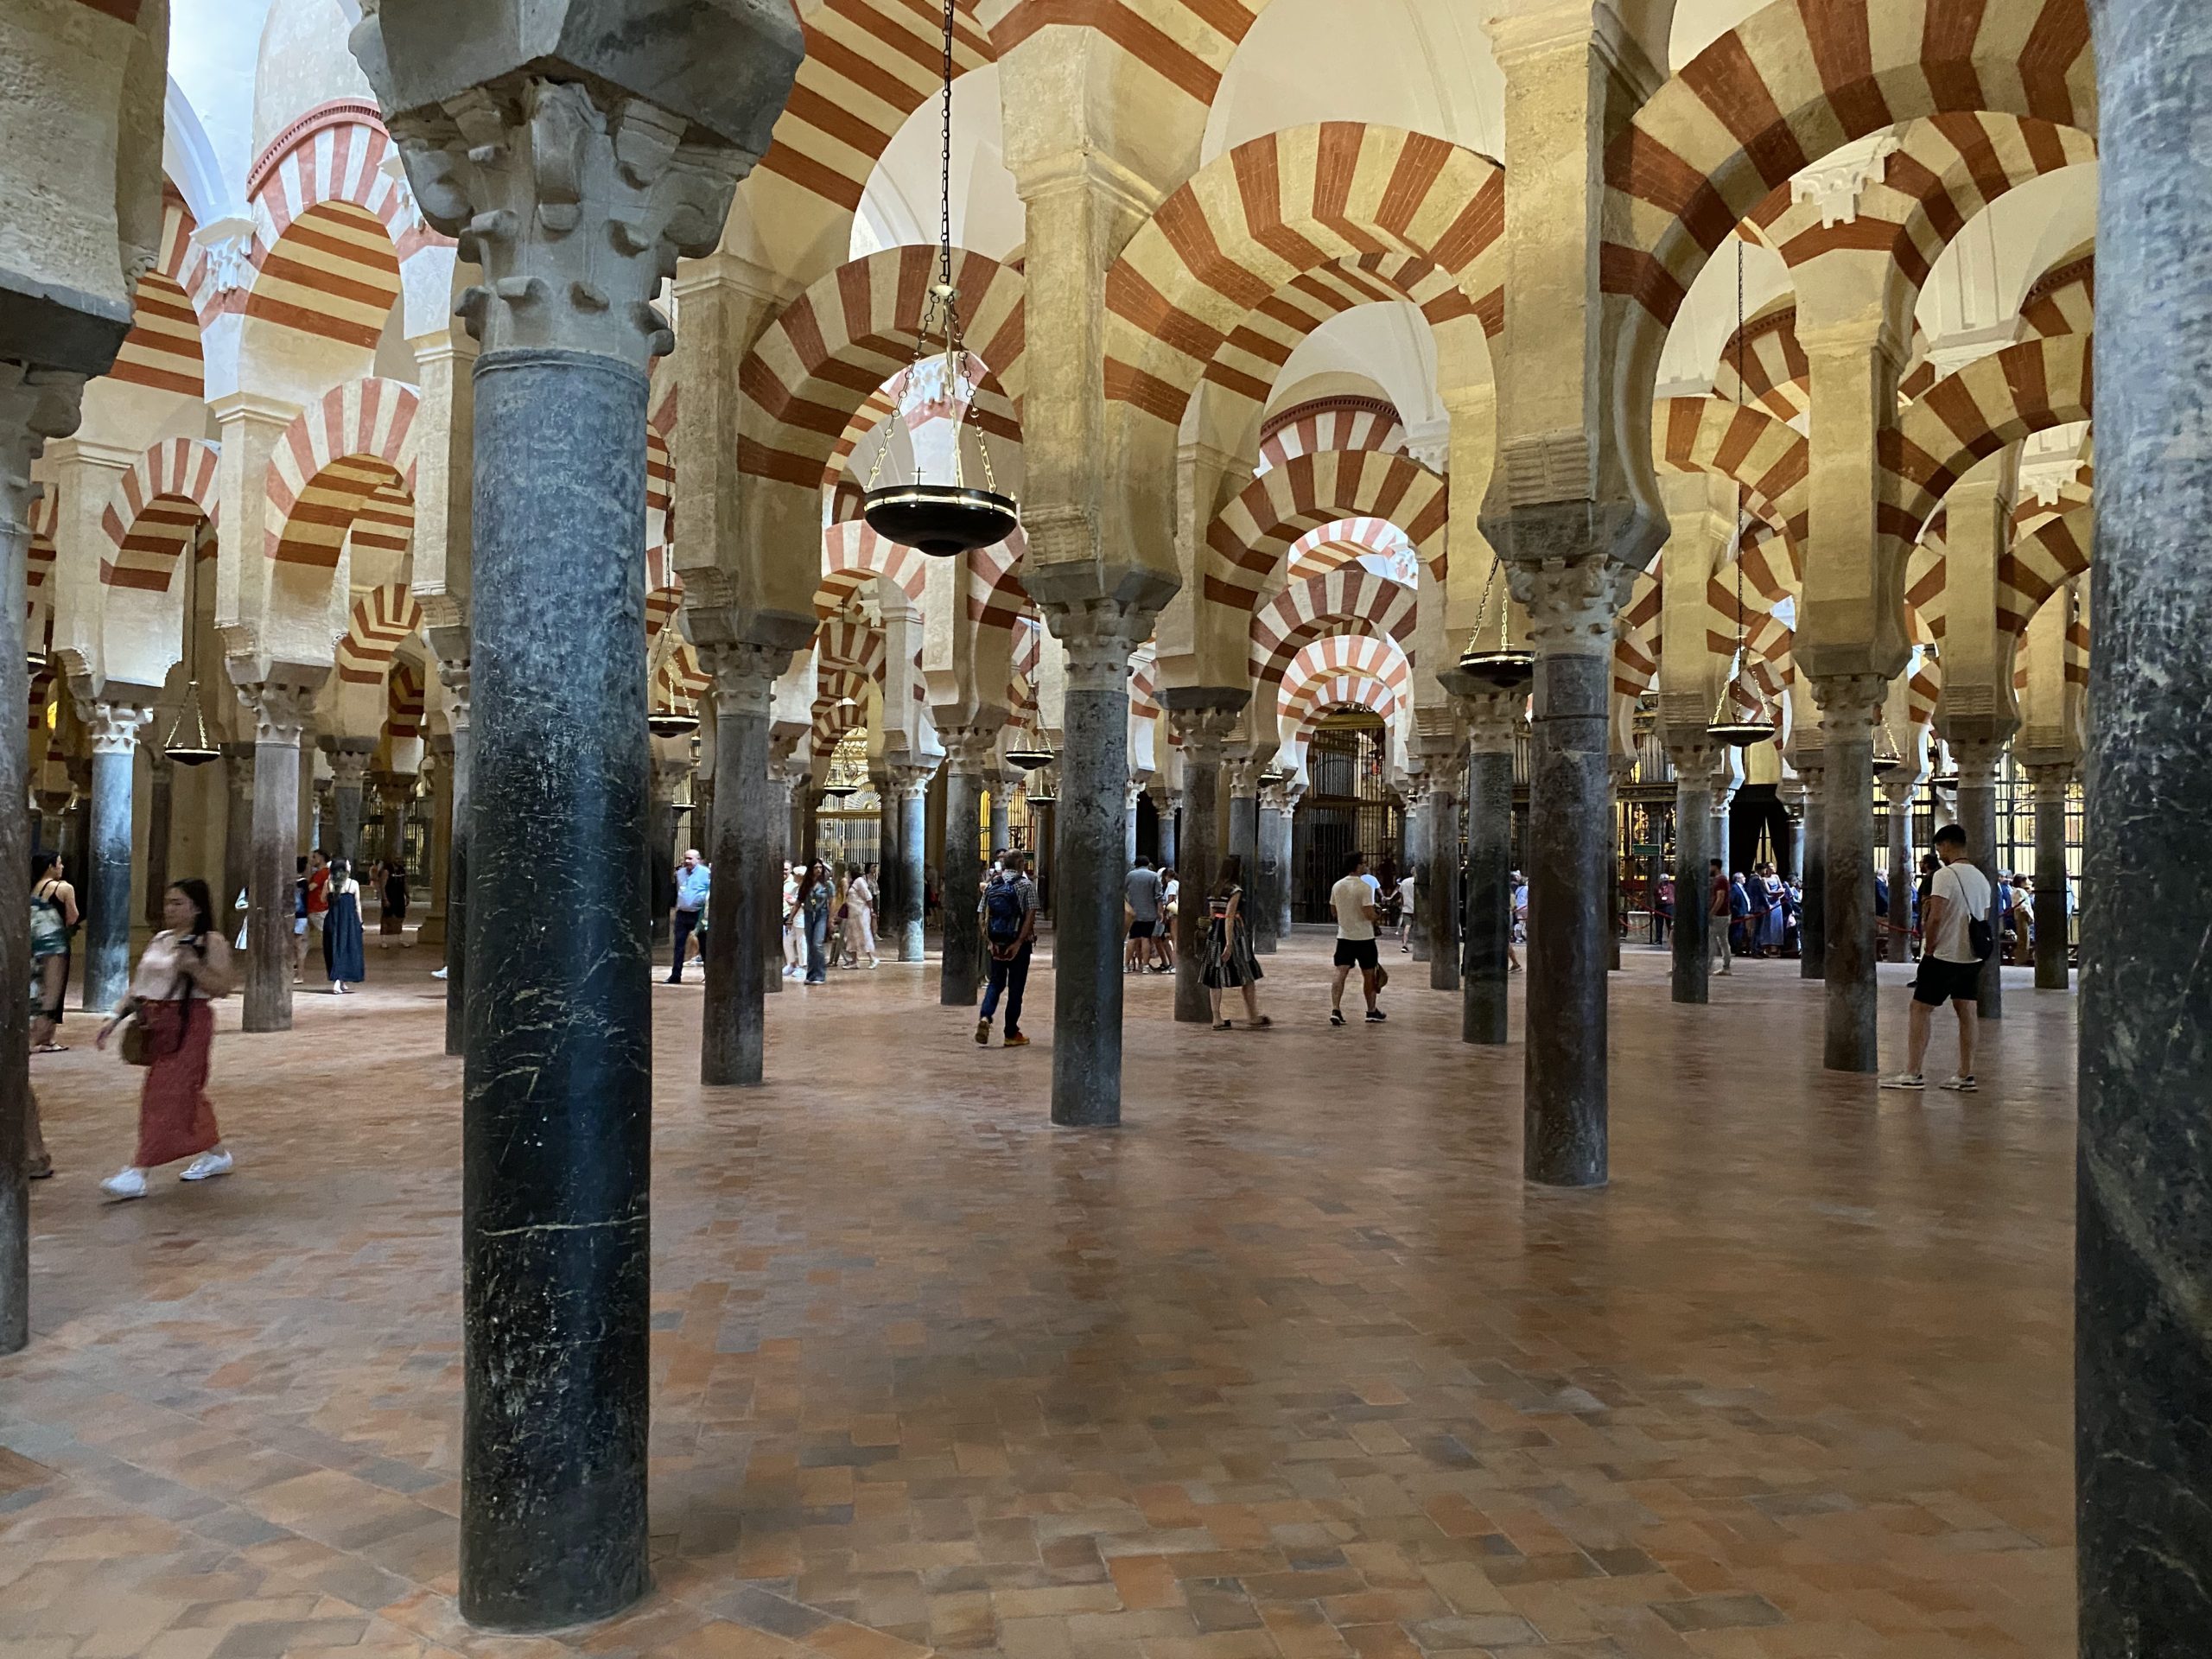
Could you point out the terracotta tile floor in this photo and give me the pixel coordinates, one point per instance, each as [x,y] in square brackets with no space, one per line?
[1294,1365]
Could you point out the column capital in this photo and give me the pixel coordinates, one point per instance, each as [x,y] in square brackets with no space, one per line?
[970,751]
[745,675]
[667,774]
[1977,757]
[909,780]
[1900,794]
[1851,704]
[2051,779]
[1133,795]
[1494,722]
[279,696]
[1201,718]
[36,405]
[1276,797]
[112,725]
[1098,633]
[1573,604]
[349,768]
[1693,760]
[1244,772]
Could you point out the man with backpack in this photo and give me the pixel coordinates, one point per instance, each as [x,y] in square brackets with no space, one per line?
[1009,931]
[1959,940]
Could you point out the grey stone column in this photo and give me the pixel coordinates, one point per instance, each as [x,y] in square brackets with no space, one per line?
[1492,723]
[1572,604]
[960,964]
[1003,785]
[395,794]
[889,928]
[1692,942]
[1286,860]
[745,901]
[349,771]
[1438,893]
[35,405]
[660,846]
[1978,763]
[1129,822]
[2143,1211]
[238,820]
[279,701]
[160,817]
[1850,705]
[453,672]
[1897,945]
[1201,717]
[1163,810]
[1813,922]
[1416,858]
[1619,769]
[2053,972]
[114,727]
[575,191]
[1090,825]
[437,767]
[1267,886]
[910,783]
[1243,773]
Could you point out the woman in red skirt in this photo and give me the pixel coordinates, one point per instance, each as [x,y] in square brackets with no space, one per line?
[185,965]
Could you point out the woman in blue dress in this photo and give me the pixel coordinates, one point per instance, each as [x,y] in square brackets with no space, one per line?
[341,929]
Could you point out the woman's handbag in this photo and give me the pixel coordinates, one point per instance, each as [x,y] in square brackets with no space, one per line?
[137,1045]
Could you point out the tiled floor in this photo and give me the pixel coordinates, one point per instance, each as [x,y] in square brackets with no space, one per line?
[1293,1364]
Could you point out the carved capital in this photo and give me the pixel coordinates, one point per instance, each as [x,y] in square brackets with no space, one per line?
[35,405]
[576,200]
[970,751]
[112,725]
[1275,798]
[1573,604]
[745,676]
[1977,759]
[1493,722]
[1202,728]
[1899,795]
[1851,706]
[281,707]
[2050,783]
[908,780]
[349,768]
[1098,634]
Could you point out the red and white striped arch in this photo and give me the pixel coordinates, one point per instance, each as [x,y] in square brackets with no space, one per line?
[1776,377]
[1924,689]
[1144,690]
[2063,300]
[158,507]
[852,555]
[1771,461]
[1637,637]
[660,496]
[1345,422]
[1246,543]
[1349,601]
[1379,659]
[854,646]
[996,595]
[1320,551]
[382,618]
[1318,697]
[403,704]
[1186,43]
[2039,562]
[1927,572]
[162,351]
[331,461]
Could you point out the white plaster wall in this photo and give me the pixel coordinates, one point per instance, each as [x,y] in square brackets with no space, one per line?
[900,204]
[213,51]
[304,61]
[1387,343]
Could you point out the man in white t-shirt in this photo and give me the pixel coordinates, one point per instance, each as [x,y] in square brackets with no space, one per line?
[1950,967]
[1353,900]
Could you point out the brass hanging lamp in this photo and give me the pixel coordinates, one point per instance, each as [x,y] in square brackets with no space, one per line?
[678,715]
[189,744]
[1887,757]
[1762,724]
[1504,667]
[950,517]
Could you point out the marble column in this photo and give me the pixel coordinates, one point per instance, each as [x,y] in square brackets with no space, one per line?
[1572,605]
[1267,887]
[452,674]
[1131,797]
[1243,774]
[1090,820]
[1438,892]
[745,901]
[1851,706]
[1693,765]
[574,190]
[667,777]
[893,870]
[1201,717]
[1978,761]
[349,771]
[279,700]
[1163,811]
[395,794]
[238,820]
[325,795]
[1003,785]
[2143,1211]
[1897,945]
[910,784]
[2052,903]
[967,756]
[437,766]
[1416,858]
[1286,860]
[1813,922]
[160,816]
[1493,722]
[1619,768]
[112,728]
[35,405]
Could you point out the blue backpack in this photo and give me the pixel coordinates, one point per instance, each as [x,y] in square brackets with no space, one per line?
[1002,909]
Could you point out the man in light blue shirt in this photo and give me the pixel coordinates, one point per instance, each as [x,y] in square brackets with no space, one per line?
[694,881]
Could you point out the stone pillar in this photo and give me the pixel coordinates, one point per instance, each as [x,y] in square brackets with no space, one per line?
[349,771]
[112,728]
[1286,861]
[1492,722]
[438,764]
[1202,718]
[1091,821]
[1163,810]
[1978,763]
[395,793]
[2052,903]
[1415,857]
[1243,775]
[1850,705]
[892,868]
[325,799]
[160,813]
[279,701]
[1134,794]
[1896,944]
[1267,891]
[1812,924]
[660,846]
[1438,893]
[910,783]
[1694,765]
[452,673]
[745,903]
[1003,785]
[1618,770]
[575,190]
[238,820]
[967,756]
[1572,605]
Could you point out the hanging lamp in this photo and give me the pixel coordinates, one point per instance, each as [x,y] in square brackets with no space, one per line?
[679,715]
[1887,757]
[943,518]
[1028,750]
[187,743]
[1504,667]
[1761,725]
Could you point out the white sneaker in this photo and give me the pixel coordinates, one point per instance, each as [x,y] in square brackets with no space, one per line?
[1905,1080]
[208,1164]
[1960,1084]
[125,1183]
[440,973]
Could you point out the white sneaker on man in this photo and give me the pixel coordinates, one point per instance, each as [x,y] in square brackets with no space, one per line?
[125,1183]
[208,1164]
[1905,1080]
[1960,1084]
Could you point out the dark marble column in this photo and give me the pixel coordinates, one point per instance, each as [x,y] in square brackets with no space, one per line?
[1978,764]
[1163,809]
[2052,903]
[1416,860]
[395,794]
[349,771]
[1090,825]
[1003,785]
[1850,705]
[961,864]
[1201,717]
[1693,942]
[453,671]
[668,775]
[1286,860]
[1493,722]
[1438,893]
[1573,603]
[1813,922]
[2143,1210]
[1267,887]
[1242,773]
[279,701]
[889,928]
[437,766]
[160,817]
[1130,824]
[113,729]
[238,820]
[1896,947]
[745,904]
[910,784]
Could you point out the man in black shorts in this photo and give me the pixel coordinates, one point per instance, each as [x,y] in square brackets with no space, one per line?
[1950,968]
[1353,899]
